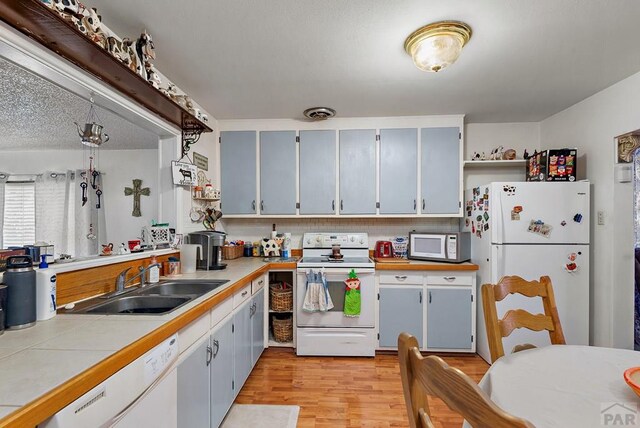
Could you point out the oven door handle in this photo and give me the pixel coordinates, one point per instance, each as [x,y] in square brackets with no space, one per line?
[328,271]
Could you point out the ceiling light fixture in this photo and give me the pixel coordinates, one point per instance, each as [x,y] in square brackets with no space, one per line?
[438,45]
[319,113]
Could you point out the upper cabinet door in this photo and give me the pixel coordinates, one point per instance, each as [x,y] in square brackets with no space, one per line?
[398,171]
[277,172]
[238,171]
[440,170]
[317,172]
[358,171]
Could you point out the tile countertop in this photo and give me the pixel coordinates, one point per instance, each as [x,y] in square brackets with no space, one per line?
[46,367]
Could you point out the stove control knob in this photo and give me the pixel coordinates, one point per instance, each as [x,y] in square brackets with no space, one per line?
[318,239]
[353,239]
[362,240]
[308,241]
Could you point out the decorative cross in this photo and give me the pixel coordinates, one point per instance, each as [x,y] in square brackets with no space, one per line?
[136,191]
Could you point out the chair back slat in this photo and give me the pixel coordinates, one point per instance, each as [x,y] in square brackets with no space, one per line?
[519,318]
[515,284]
[435,377]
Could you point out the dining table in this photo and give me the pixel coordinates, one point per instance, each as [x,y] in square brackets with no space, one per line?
[566,386]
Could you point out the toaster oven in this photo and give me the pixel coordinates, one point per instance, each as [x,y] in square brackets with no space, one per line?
[452,247]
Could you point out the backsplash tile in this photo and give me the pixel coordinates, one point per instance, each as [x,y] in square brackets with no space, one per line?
[249,229]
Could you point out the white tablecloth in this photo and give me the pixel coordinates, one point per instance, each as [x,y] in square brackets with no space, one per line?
[564,386]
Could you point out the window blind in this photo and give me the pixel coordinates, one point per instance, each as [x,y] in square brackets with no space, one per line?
[19,227]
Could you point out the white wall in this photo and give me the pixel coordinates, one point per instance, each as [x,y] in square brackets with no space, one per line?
[484,137]
[591,126]
[120,168]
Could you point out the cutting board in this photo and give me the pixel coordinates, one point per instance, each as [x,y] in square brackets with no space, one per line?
[390,260]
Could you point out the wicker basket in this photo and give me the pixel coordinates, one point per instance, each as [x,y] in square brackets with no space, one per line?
[230,252]
[283,328]
[280,297]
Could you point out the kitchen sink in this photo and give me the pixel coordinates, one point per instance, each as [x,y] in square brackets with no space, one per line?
[191,287]
[140,305]
[159,298]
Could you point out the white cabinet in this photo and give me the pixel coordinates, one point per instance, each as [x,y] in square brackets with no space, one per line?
[441,171]
[221,368]
[439,309]
[358,171]
[277,172]
[238,172]
[212,370]
[242,344]
[398,171]
[318,172]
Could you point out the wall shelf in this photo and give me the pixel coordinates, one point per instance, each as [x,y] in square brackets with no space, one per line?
[495,163]
[36,20]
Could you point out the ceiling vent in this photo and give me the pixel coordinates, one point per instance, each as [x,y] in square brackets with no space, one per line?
[319,113]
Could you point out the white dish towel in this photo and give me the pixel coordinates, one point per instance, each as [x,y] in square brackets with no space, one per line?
[316,297]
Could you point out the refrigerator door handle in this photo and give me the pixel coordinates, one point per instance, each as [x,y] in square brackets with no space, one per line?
[498,220]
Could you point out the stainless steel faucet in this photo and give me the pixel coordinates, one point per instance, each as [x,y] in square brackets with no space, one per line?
[121,280]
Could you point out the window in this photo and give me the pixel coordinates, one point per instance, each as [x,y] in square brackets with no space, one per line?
[19,226]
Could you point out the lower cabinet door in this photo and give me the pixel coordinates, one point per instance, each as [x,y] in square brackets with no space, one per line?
[221,366]
[449,324]
[193,387]
[257,327]
[400,311]
[242,345]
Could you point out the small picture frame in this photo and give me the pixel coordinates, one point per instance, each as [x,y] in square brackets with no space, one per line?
[184,173]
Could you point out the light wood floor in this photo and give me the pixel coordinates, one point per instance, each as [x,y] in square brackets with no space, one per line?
[343,392]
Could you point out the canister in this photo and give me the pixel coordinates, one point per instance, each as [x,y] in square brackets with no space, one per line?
[20,279]
[256,249]
[248,249]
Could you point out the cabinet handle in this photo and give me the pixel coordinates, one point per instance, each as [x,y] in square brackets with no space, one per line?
[341,204]
[261,282]
[401,277]
[421,297]
[209,354]
[253,205]
[423,204]
[429,296]
[216,344]
[414,204]
[244,293]
[333,205]
[261,206]
[450,278]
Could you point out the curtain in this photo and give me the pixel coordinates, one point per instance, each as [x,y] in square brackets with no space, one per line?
[3,180]
[88,219]
[52,217]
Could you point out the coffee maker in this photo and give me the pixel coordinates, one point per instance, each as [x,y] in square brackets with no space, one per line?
[212,242]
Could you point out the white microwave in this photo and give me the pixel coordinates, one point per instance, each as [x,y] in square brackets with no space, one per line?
[454,247]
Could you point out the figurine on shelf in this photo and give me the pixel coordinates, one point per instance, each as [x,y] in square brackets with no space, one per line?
[496,154]
[145,51]
[483,156]
[509,154]
[170,90]
[152,76]
[67,8]
[476,156]
[525,155]
[93,25]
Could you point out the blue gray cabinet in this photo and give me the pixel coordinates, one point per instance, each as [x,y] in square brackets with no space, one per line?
[277,172]
[358,171]
[221,365]
[194,387]
[400,310]
[238,172]
[440,161]
[242,345]
[398,171]
[449,323]
[318,172]
[257,326]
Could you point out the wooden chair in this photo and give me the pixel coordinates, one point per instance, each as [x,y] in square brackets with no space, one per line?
[422,376]
[519,318]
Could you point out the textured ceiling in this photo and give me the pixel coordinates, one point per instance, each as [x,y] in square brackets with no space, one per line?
[272,59]
[36,114]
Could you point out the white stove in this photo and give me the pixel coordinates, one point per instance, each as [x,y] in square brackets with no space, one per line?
[331,332]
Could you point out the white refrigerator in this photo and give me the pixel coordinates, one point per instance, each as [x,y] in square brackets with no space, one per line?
[531,229]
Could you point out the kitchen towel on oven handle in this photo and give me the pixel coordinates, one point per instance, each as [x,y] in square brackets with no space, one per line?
[316,297]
